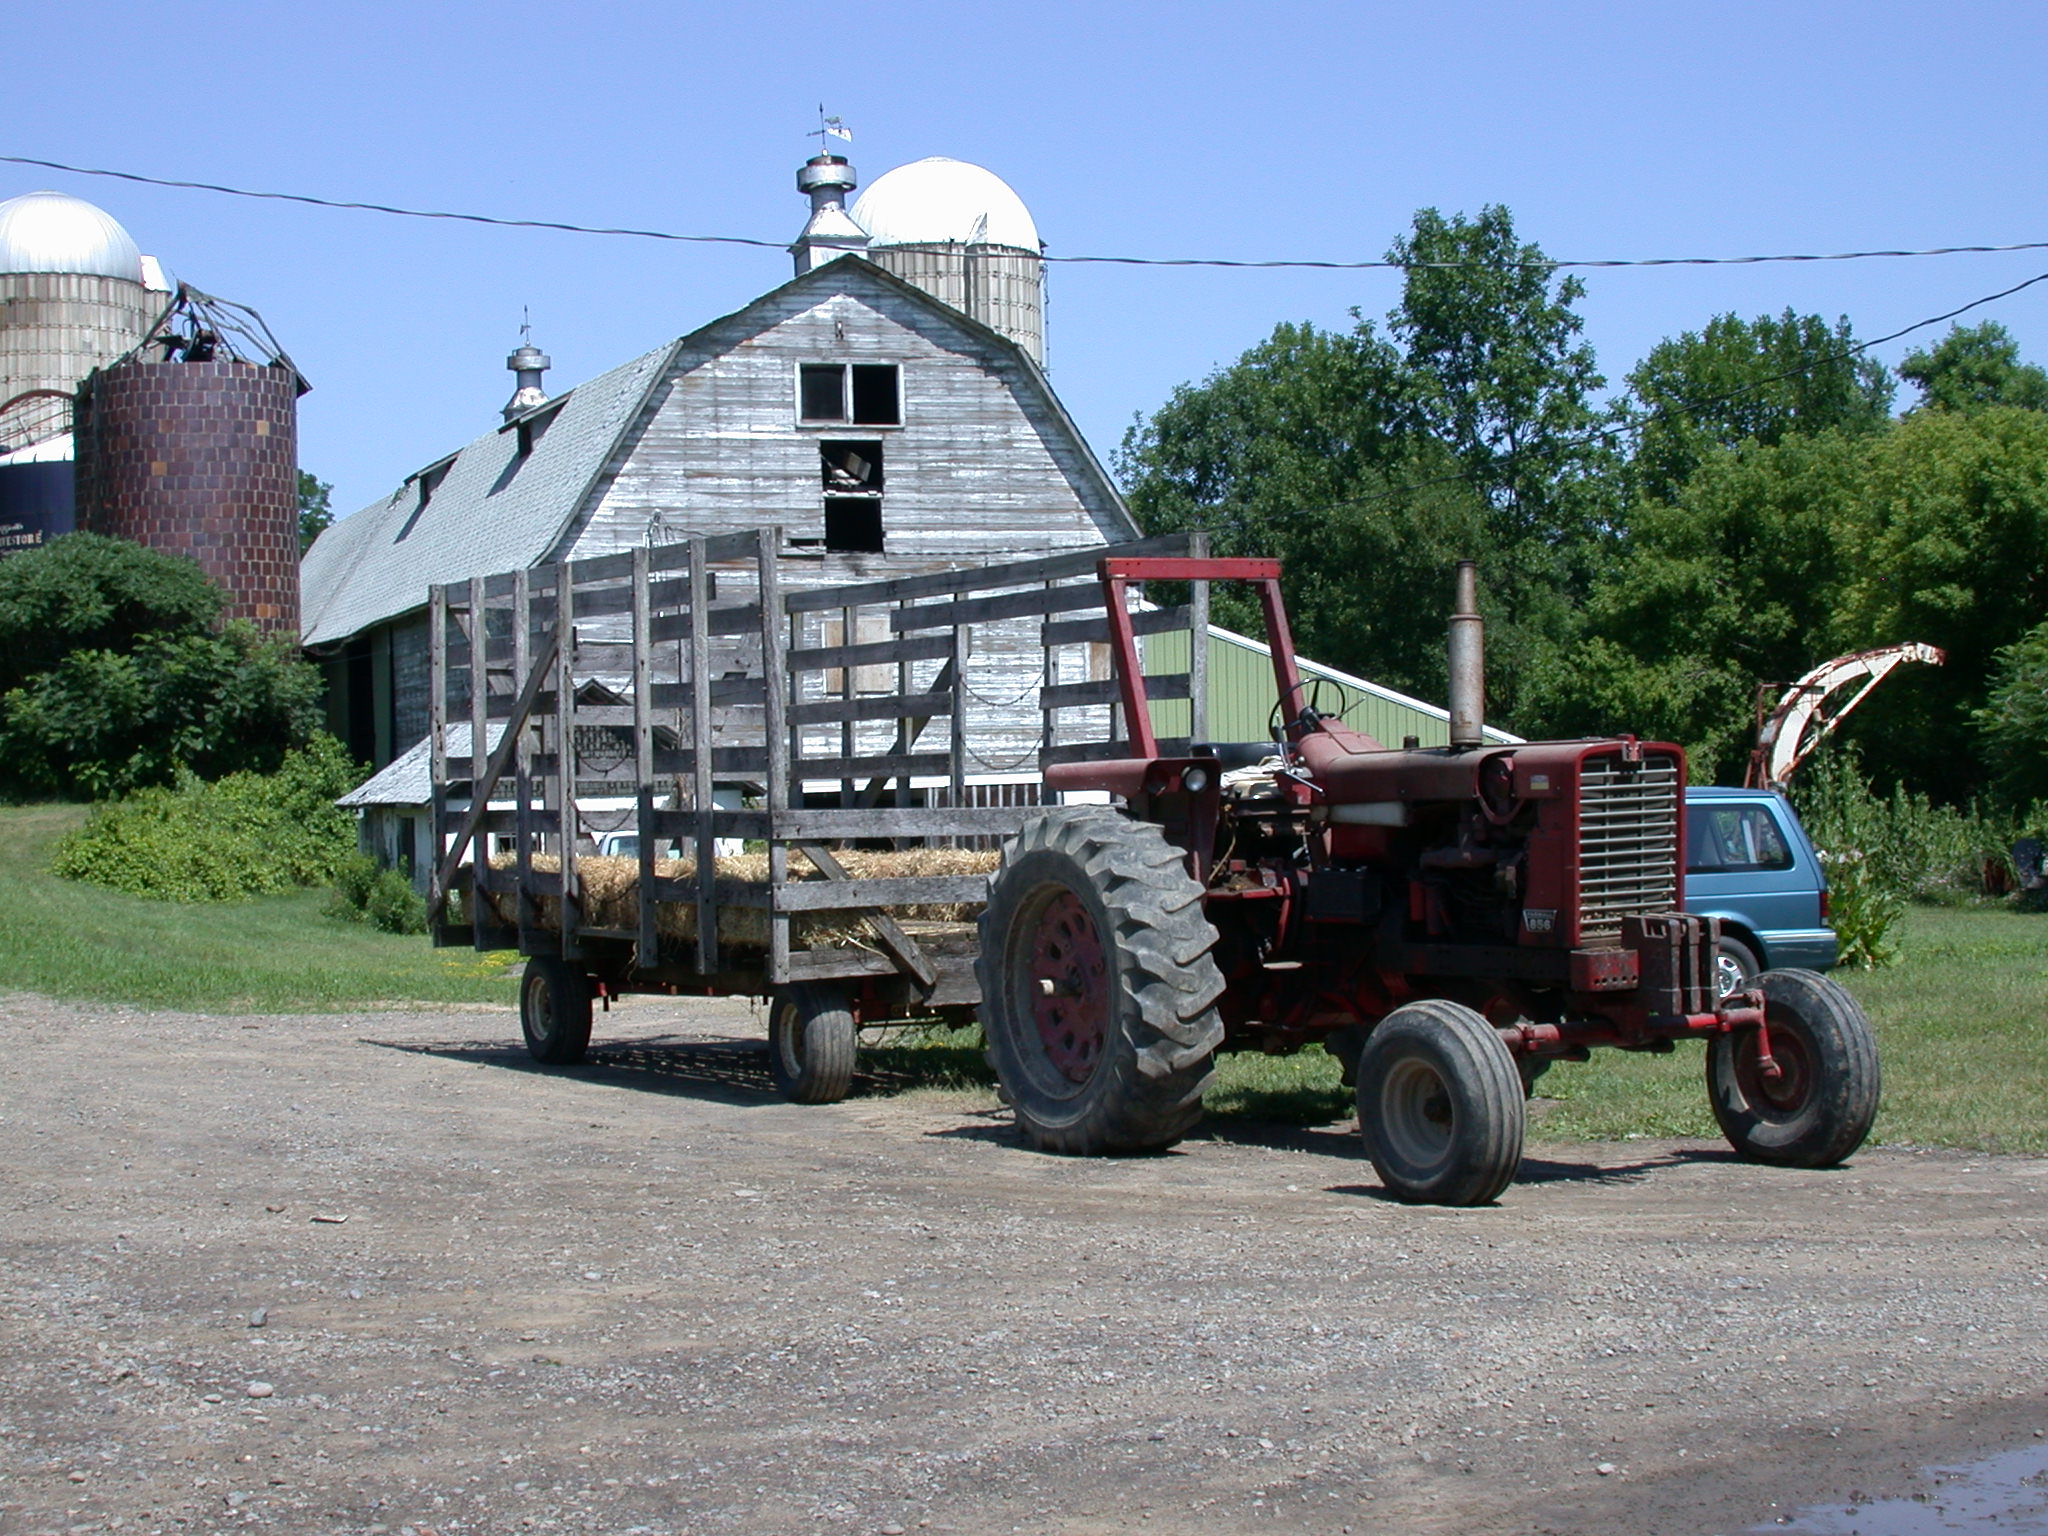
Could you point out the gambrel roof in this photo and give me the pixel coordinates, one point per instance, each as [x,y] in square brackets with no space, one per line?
[489,507]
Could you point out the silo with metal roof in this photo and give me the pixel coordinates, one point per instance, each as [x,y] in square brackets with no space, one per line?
[75,293]
[73,296]
[960,233]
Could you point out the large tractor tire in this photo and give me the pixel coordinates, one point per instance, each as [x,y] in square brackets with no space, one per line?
[1098,986]
[1441,1105]
[811,1043]
[1820,1106]
[554,1011]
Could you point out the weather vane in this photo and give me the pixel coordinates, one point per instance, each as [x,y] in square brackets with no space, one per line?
[828,128]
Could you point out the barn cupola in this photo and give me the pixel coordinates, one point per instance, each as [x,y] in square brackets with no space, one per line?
[528,363]
[826,179]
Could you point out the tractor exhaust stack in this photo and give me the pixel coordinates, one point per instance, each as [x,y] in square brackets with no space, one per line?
[1468,662]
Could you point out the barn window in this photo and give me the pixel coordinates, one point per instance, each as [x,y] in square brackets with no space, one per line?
[866,394]
[854,524]
[852,468]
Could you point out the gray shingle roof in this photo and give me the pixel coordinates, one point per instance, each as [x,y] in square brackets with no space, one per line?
[408,779]
[490,510]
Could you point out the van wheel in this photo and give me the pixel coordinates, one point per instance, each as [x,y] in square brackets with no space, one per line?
[1735,966]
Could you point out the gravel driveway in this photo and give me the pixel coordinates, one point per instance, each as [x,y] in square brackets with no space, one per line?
[374,1274]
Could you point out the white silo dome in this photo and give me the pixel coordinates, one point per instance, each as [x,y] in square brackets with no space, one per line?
[52,232]
[945,202]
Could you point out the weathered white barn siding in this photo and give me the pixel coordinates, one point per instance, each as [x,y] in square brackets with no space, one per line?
[984,468]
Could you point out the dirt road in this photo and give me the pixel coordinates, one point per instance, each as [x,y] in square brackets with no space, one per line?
[365,1274]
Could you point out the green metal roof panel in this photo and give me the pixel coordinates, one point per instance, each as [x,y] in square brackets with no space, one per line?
[1241,695]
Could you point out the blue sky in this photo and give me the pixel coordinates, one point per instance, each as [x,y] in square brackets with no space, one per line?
[1285,130]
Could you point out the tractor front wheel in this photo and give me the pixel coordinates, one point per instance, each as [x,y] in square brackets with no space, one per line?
[1818,1105]
[1098,986]
[1440,1104]
[554,1011]
[811,1043]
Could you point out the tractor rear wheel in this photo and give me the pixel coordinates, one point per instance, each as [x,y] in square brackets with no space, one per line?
[1820,1105]
[811,1043]
[554,1011]
[1098,986]
[1440,1104]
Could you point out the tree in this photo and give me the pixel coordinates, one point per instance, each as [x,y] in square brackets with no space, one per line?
[1951,542]
[1747,381]
[1735,583]
[1370,467]
[113,675]
[1493,369]
[1974,367]
[1293,451]
[2014,721]
[88,592]
[315,516]
[104,723]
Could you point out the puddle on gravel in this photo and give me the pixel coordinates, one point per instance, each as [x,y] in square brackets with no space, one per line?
[2006,1494]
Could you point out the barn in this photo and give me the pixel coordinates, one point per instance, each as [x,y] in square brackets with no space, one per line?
[885,409]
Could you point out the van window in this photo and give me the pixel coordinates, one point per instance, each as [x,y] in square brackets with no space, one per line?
[1734,839]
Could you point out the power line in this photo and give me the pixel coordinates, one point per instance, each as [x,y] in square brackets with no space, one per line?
[564,227]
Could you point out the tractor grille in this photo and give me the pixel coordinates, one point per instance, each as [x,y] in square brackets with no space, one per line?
[1628,842]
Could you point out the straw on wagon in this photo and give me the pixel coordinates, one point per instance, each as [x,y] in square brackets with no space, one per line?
[611,894]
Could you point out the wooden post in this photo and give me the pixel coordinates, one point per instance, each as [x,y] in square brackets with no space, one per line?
[479,752]
[571,902]
[437,743]
[775,726]
[956,740]
[849,632]
[701,792]
[643,753]
[522,659]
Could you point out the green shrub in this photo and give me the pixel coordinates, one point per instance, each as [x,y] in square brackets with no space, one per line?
[87,592]
[1882,852]
[246,835]
[383,898]
[102,723]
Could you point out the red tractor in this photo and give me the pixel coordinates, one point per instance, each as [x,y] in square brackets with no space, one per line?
[1446,921]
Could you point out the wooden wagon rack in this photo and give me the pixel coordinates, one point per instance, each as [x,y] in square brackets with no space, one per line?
[839,715]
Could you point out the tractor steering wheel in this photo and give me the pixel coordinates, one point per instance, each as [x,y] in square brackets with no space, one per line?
[1311,690]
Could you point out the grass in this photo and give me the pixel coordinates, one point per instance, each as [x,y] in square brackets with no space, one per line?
[1962,1029]
[1961,1018]
[276,954]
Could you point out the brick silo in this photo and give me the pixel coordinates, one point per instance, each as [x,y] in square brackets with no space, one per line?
[199,458]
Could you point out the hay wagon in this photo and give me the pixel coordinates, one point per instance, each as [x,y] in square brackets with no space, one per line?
[811,779]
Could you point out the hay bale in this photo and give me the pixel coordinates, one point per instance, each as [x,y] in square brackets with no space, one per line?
[611,895]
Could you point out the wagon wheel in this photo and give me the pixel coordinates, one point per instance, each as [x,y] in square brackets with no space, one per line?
[1098,988]
[554,1011]
[1440,1104]
[811,1043]
[1820,1106]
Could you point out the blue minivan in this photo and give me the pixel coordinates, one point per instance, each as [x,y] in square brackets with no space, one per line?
[1749,863]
